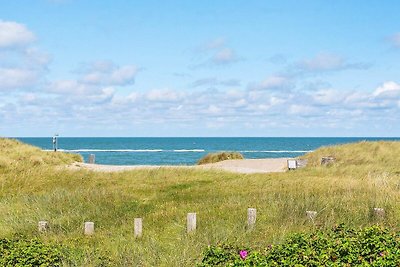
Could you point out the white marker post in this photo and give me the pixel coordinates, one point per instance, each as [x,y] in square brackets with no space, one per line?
[92,158]
[43,226]
[138,227]
[251,218]
[89,228]
[191,222]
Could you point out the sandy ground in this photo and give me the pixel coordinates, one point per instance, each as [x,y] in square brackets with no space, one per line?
[238,166]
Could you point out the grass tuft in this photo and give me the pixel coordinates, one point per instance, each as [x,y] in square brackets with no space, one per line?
[220,156]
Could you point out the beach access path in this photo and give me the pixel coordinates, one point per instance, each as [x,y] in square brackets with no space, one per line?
[237,166]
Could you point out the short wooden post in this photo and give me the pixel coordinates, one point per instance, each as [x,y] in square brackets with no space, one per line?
[379,213]
[191,222]
[251,218]
[311,215]
[89,228]
[138,227]
[327,160]
[43,226]
[92,159]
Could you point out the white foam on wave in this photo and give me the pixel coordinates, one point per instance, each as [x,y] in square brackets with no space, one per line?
[110,150]
[174,150]
[127,150]
[188,150]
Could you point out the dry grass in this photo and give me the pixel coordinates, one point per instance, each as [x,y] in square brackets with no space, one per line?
[366,175]
[220,156]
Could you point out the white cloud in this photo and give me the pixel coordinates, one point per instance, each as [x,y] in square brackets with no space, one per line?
[388,90]
[273,82]
[22,66]
[328,97]
[71,87]
[224,56]
[14,34]
[213,81]
[323,62]
[15,78]
[217,53]
[215,44]
[105,73]
[164,95]
[328,62]
[395,40]
[302,110]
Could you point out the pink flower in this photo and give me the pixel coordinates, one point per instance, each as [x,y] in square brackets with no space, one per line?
[243,254]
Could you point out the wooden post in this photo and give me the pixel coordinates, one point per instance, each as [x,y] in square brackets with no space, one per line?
[311,214]
[138,227]
[43,226]
[251,218]
[92,158]
[327,160]
[89,228]
[379,213]
[191,222]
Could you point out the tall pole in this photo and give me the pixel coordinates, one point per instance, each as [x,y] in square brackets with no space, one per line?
[55,142]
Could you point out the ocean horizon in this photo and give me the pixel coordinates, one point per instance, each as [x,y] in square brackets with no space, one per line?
[187,150]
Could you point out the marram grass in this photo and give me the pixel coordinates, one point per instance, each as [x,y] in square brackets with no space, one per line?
[365,175]
[219,156]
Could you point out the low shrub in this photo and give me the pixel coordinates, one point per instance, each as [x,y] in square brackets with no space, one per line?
[340,246]
[28,252]
[220,156]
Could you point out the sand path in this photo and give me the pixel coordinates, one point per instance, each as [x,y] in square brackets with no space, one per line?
[238,166]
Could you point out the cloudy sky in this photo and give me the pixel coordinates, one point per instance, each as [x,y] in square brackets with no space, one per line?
[199,68]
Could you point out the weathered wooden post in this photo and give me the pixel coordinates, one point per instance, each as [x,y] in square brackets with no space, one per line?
[138,227]
[327,160]
[92,158]
[251,218]
[379,213]
[43,226]
[89,228]
[191,222]
[311,215]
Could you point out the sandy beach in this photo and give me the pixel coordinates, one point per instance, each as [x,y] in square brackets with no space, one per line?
[237,166]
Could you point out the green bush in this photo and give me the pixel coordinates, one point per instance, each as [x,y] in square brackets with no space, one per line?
[220,156]
[340,246]
[28,252]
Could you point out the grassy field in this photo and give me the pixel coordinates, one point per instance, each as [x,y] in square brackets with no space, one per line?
[35,187]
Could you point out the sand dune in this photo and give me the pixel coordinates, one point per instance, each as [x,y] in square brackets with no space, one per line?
[238,166]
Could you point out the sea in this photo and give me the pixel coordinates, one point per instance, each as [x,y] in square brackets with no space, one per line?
[185,150]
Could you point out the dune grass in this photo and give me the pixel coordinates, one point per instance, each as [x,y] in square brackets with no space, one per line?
[220,156]
[365,175]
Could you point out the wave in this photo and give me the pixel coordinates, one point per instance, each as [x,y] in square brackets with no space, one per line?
[188,150]
[128,150]
[174,150]
[110,150]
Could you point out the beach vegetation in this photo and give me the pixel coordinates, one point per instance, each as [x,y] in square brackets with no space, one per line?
[338,246]
[219,156]
[34,186]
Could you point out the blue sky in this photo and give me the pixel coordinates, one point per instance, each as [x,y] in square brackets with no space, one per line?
[199,68]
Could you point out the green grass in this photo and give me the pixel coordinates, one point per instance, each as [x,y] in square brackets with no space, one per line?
[365,175]
[220,156]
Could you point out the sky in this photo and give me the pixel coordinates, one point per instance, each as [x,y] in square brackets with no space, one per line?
[199,68]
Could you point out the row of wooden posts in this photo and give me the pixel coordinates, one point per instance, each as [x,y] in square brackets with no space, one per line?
[191,222]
